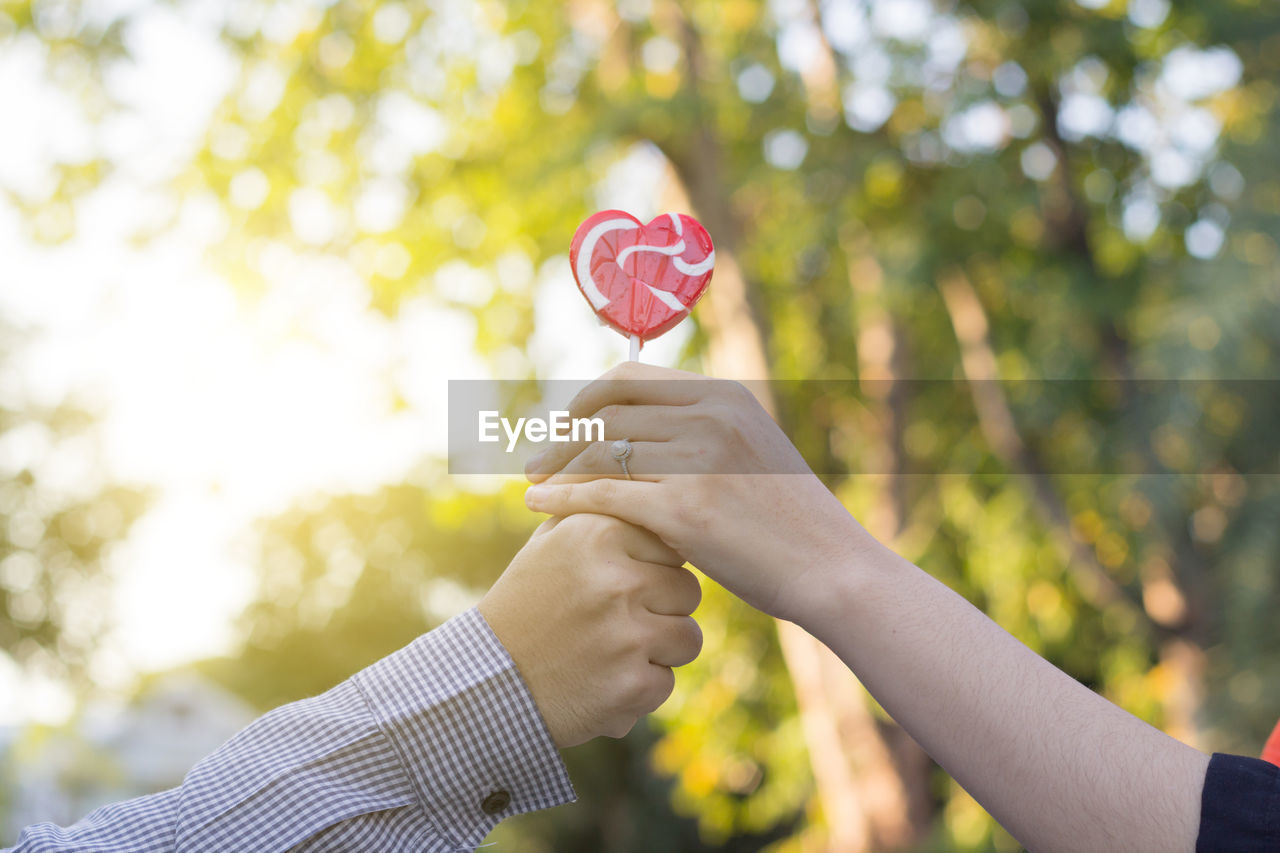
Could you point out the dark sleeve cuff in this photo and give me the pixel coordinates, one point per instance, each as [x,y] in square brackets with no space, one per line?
[1240,806]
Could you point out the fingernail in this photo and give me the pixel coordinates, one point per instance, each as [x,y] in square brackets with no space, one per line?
[535,495]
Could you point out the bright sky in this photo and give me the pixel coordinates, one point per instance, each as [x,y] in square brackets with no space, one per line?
[229,405]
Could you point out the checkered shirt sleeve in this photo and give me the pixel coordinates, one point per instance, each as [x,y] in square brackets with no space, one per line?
[426,750]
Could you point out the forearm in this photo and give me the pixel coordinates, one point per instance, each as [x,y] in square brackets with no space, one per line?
[314,769]
[1059,766]
[427,749]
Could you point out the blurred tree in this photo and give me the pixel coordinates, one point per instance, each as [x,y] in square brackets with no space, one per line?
[75,44]
[350,579]
[986,190]
[55,531]
[1033,181]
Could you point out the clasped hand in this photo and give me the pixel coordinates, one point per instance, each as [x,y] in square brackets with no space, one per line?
[712,476]
[596,609]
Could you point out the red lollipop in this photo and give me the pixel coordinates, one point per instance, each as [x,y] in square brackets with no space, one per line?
[641,279]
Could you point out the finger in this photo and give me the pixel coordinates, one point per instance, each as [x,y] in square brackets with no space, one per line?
[643,546]
[670,590]
[637,423]
[638,384]
[636,501]
[656,685]
[598,460]
[674,640]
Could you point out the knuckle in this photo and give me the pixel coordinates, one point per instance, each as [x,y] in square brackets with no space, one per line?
[610,414]
[609,580]
[579,401]
[692,507]
[602,537]
[568,495]
[633,686]
[604,492]
[728,418]
[703,416]
[624,370]
[717,422]
[633,645]
[622,726]
[628,583]
[574,525]
[741,394]
[584,528]
[660,688]
[609,527]
[732,392]
[600,544]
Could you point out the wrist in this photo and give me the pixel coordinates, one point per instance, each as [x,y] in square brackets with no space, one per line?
[515,639]
[841,579]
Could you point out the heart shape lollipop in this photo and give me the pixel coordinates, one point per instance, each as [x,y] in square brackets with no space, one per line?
[641,279]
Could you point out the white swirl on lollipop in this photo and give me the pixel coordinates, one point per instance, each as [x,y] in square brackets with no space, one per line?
[599,300]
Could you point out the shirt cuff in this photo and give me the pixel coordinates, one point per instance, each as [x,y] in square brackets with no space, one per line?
[466,729]
[1240,806]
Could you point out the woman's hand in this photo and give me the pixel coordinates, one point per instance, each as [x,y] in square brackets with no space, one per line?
[713,476]
[1058,765]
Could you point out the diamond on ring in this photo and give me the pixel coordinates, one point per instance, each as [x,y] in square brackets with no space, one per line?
[621,450]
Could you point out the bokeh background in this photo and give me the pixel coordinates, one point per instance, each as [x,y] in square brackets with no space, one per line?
[244,245]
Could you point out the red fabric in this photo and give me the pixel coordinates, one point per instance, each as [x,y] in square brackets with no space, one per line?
[1271,752]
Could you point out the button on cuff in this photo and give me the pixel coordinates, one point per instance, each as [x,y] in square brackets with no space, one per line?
[495,802]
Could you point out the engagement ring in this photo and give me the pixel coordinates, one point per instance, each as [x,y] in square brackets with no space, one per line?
[621,450]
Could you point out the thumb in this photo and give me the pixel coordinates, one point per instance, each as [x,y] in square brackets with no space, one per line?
[634,501]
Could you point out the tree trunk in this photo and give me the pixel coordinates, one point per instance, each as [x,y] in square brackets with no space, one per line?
[883,362]
[871,778]
[995,419]
[1173,614]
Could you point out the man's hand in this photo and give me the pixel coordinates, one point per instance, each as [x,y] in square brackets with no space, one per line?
[595,612]
[770,538]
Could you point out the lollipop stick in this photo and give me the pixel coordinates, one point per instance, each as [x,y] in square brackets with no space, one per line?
[635,348]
